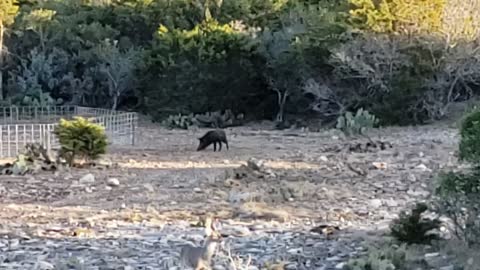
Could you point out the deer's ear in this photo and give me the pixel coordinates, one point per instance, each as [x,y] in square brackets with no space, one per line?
[216,224]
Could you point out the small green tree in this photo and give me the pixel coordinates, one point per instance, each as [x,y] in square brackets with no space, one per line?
[118,68]
[285,66]
[8,11]
[38,78]
[413,228]
[38,21]
[80,137]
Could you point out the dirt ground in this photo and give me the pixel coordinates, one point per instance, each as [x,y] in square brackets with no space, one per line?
[164,178]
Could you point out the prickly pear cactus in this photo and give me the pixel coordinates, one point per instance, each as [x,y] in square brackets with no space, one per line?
[21,165]
[207,120]
[218,120]
[352,124]
[179,121]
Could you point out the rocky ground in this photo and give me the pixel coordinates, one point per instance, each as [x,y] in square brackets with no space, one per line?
[271,191]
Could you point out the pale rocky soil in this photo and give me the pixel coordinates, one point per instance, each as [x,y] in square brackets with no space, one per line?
[164,185]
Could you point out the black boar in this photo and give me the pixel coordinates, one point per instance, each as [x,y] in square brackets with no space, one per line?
[213,136]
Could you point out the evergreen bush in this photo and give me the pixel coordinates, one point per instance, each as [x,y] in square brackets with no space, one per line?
[412,228]
[469,148]
[80,138]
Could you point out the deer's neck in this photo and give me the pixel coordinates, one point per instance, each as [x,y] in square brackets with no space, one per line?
[210,249]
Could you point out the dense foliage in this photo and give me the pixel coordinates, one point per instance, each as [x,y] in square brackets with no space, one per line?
[404,61]
[459,192]
[469,148]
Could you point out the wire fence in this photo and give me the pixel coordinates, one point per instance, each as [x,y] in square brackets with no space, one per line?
[30,124]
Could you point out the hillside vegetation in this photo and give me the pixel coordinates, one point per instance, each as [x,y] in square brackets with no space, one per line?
[403,61]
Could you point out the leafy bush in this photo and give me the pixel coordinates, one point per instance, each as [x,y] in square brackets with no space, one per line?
[459,200]
[413,228]
[80,137]
[352,124]
[402,80]
[459,192]
[37,80]
[208,68]
[469,148]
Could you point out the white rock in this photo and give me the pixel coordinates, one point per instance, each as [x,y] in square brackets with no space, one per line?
[149,187]
[340,265]
[87,179]
[295,251]
[255,164]
[411,177]
[391,203]
[376,203]
[418,192]
[431,255]
[422,167]
[42,265]
[113,182]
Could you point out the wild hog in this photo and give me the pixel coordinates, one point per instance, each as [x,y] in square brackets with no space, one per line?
[213,136]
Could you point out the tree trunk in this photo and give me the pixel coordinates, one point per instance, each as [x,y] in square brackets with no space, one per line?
[115,103]
[1,60]
[282,99]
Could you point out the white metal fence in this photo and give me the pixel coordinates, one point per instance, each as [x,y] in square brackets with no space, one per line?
[29,124]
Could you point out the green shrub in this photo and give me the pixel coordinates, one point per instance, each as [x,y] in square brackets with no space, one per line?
[80,138]
[413,228]
[404,103]
[459,192]
[459,199]
[356,124]
[469,148]
[208,68]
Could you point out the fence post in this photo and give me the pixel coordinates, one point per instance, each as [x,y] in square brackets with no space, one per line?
[1,142]
[133,128]
[14,136]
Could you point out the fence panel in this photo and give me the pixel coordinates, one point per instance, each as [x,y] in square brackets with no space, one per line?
[28,124]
